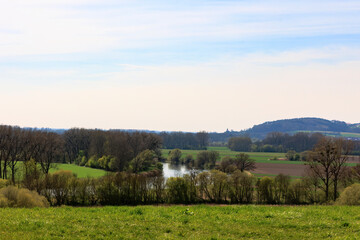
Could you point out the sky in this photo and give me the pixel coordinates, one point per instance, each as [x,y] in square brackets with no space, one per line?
[177,65]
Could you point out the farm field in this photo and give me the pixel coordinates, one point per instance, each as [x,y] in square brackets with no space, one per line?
[273,169]
[182,222]
[264,166]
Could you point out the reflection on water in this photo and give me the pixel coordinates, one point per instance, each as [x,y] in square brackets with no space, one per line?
[170,170]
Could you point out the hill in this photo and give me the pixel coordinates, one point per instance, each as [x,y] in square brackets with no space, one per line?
[291,126]
[303,124]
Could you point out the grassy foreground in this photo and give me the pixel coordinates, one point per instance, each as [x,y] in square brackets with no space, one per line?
[176,222]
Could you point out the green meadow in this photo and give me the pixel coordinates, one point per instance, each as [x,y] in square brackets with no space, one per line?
[261,157]
[81,172]
[182,222]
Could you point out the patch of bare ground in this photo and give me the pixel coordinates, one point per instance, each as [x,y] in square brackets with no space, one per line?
[277,168]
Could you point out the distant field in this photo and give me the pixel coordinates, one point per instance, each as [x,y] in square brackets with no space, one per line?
[264,166]
[176,222]
[353,135]
[335,134]
[224,151]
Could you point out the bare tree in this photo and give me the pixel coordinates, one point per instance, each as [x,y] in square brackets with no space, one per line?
[51,152]
[243,162]
[16,141]
[327,162]
[5,148]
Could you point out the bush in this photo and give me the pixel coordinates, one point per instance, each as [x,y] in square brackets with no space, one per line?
[4,202]
[4,183]
[177,189]
[56,187]
[175,156]
[93,163]
[21,197]
[266,190]
[350,196]
[241,187]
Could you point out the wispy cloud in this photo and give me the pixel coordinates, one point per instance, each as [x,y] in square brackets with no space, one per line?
[68,27]
[248,61]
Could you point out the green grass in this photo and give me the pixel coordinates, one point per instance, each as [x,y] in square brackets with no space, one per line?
[353,135]
[81,172]
[334,134]
[261,157]
[175,222]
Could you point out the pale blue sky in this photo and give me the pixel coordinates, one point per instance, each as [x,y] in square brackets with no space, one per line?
[177,65]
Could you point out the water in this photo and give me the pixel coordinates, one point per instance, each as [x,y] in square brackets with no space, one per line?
[170,170]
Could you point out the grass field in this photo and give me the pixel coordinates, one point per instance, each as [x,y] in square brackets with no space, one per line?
[334,134]
[175,222]
[259,157]
[81,172]
[224,151]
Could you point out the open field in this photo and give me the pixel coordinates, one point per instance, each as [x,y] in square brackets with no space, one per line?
[224,151]
[175,222]
[273,169]
[334,134]
[264,166]
[81,172]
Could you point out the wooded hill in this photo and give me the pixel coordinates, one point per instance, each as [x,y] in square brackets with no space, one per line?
[291,126]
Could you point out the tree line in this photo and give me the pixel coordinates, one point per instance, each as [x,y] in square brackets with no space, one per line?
[135,183]
[110,150]
[18,144]
[276,142]
[182,140]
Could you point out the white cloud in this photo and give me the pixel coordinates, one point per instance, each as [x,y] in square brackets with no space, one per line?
[53,27]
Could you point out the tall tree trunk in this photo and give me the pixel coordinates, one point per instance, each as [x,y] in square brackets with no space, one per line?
[13,174]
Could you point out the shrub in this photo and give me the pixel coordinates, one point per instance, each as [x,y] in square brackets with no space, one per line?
[177,189]
[21,197]
[104,162]
[56,187]
[297,192]
[3,183]
[266,190]
[4,202]
[350,196]
[175,156]
[188,160]
[281,188]
[93,163]
[241,187]
[206,159]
